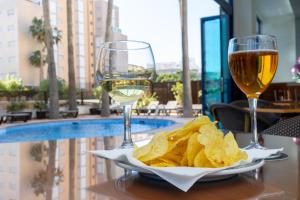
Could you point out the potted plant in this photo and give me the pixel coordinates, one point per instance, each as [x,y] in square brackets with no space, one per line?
[41,107]
[15,106]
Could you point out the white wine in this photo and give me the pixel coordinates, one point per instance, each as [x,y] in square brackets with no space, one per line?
[126,91]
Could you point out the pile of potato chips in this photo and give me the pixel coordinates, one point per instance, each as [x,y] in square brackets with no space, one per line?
[197,144]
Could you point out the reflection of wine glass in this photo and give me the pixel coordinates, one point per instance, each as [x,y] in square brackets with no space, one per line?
[125,70]
[253,63]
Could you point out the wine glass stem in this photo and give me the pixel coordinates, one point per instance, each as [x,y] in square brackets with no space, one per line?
[127,142]
[252,108]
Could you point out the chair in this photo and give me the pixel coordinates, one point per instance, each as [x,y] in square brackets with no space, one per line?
[260,103]
[152,106]
[270,118]
[197,109]
[115,108]
[288,127]
[168,108]
[12,117]
[68,113]
[235,118]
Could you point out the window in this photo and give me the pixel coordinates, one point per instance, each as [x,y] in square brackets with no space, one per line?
[12,170]
[11,59]
[80,5]
[82,82]
[60,57]
[52,7]
[83,172]
[11,43]
[81,50]
[12,186]
[81,61]
[12,152]
[53,20]
[10,12]
[258,25]
[80,17]
[80,39]
[10,27]
[80,28]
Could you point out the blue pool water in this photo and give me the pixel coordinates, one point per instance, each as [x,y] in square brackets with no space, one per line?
[77,129]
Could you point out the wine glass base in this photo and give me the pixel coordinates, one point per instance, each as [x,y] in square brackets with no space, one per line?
[127,144]
[276,156]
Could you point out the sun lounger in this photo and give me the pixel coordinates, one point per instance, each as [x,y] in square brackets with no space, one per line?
[12,117]
[68,113]
[168,108]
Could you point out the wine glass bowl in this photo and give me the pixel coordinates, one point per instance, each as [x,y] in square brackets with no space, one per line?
[252,63]
[125,70]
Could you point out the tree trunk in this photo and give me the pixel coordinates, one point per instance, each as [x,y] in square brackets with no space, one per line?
[187,94]
[53,88]
[41,73]
[105,112]
[51,168]
[72,84]
[109,143]
[72,152]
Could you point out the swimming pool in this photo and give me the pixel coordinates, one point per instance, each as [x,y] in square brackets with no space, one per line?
[77,129]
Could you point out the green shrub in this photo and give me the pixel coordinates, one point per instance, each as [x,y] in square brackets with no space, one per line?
[146,99]
[16,106]
[97,92]
[61,84]
[177,90]
[40,105]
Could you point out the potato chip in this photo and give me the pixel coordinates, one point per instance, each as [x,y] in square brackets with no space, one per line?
[184,161]
[195,124]
[197,144]
[158,147]
[209,133]
[193,148]
[201,160]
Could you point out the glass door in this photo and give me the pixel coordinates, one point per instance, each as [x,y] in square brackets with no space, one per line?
[211,62]
[216,80]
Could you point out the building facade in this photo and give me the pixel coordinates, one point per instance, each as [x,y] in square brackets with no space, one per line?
[17,44]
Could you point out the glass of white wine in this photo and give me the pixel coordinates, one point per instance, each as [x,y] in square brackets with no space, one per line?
[125,70]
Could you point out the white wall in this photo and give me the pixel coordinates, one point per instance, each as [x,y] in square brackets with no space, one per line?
[243,18]
[283,27]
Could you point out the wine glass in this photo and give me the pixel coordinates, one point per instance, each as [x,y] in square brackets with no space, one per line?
[253,63]
[125,69]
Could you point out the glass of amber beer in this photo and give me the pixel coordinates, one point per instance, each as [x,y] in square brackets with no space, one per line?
[253,63]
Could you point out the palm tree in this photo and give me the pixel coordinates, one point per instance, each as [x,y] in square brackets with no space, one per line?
[72,84]
[53,92]
[36,59]
[187,94]
[49,41]
[109,142]
[105,112]
[37,30]
[72,98]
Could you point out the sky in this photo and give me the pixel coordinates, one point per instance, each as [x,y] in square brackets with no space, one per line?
[158,23]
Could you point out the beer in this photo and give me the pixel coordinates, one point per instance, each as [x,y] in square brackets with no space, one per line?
[253,70]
